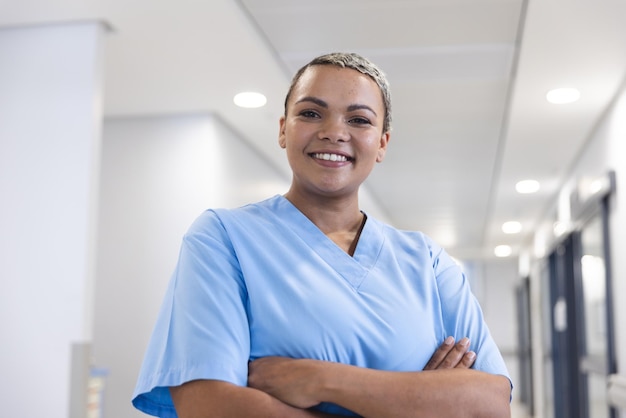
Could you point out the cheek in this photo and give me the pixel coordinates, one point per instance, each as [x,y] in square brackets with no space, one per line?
[292,150]
[374,144]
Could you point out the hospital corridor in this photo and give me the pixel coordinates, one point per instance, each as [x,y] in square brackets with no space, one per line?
[478,147]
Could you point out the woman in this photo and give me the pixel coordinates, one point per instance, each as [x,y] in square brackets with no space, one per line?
[302,306]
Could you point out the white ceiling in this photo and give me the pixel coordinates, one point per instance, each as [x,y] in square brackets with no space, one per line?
[468,81]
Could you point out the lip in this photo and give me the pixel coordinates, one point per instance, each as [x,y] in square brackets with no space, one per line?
[348,157]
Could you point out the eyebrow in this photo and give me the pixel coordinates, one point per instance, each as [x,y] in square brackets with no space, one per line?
[323,104]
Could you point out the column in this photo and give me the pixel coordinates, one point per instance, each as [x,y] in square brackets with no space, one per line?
[50,134]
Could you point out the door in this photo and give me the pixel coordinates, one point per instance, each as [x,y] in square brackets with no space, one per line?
[581,321]
[568,381]
[596,360]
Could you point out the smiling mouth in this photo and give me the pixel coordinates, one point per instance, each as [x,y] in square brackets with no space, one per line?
[331,157]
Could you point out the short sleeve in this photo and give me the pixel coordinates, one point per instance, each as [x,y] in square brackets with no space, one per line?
[202,329]
[462,315]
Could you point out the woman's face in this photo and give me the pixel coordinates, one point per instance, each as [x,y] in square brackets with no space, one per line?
[332,130]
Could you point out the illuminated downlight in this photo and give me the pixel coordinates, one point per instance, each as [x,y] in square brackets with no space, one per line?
[250,99]
[563,96]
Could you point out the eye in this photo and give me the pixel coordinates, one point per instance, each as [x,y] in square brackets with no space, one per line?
[309,114]
[359,120]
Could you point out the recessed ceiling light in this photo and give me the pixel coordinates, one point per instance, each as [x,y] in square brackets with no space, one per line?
[250,99]
[527,186]
[511,227]
[502,251]
[563,95]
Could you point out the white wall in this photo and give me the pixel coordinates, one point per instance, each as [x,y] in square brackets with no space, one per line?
[606,150]
[499,307]
[494,281]
[612,144]
[158,174]
[50,118]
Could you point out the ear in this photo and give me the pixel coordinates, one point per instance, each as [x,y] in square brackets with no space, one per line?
[281,133]
[384,141]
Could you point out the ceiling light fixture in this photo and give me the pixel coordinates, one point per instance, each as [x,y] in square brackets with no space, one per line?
[563,95]
[502,251]
[527,186]
[511,227]
[250,99]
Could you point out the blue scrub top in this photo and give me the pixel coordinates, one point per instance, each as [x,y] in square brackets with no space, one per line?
[263,280]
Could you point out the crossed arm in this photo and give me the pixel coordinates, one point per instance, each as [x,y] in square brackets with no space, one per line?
[283,387]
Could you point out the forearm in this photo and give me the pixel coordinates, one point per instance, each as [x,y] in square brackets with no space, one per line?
[455,393]
[437,393]
[217,399]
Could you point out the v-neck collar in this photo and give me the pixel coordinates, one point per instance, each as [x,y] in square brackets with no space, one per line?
[354,268]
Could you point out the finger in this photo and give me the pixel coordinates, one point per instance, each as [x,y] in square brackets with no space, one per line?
[455,356]
[467,361]
[440,354]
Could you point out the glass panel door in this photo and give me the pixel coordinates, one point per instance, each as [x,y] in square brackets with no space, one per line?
[546,338]
[595,358]
[568,382]
[525,392]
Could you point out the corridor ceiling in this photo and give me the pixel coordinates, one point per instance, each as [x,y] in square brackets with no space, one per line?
[468,79]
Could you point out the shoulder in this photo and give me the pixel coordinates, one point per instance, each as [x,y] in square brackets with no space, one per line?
[221,219]
[416,244]
[408,239]
[401,236]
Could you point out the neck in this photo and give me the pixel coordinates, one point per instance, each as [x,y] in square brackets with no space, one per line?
[330,214]
[339,219]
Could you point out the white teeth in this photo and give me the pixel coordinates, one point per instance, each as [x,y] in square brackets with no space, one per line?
[330,157]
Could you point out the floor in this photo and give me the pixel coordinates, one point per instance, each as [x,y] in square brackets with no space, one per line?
[518,411]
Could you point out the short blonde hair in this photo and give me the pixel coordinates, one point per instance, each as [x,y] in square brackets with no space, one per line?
[355,62]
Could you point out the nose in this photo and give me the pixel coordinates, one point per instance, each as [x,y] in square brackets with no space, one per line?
[334,130]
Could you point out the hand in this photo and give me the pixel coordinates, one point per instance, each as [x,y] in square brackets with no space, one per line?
[290,380]
[450,355]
